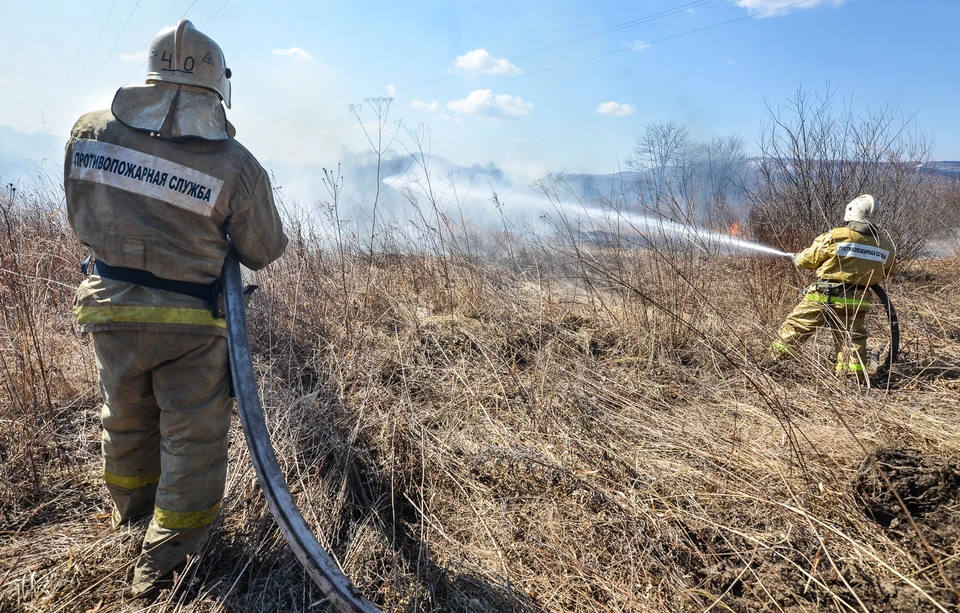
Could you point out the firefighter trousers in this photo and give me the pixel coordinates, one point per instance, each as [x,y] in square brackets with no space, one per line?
[845,315]
[166,413]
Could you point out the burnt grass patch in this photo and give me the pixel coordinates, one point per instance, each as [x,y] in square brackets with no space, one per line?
[919,506]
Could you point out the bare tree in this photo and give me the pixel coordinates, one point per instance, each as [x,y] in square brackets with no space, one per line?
[817,154]
[659,150]
[726,161]
[692,182]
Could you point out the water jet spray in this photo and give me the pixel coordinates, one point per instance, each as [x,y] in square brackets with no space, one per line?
[698,237]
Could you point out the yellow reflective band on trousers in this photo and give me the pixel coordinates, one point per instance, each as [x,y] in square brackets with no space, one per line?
[146,315]
[782,349]
[850,302]
[851,367]
[178,520]
[131,483]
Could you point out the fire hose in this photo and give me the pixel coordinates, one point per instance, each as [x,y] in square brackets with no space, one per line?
[884,369]
[321,568]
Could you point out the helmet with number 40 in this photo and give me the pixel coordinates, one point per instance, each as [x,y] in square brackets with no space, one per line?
[185,55]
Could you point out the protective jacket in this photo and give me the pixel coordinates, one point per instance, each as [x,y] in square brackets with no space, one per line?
[164,207]
[855,254]
[847,259]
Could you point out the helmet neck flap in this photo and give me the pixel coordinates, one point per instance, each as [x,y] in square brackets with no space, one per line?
[172,111]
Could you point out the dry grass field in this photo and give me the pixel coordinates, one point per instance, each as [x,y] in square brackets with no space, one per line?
[542,428]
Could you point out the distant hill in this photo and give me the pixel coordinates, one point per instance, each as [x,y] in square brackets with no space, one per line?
[949,169]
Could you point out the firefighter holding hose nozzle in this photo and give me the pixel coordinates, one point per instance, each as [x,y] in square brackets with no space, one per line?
[848,260]
[155,186]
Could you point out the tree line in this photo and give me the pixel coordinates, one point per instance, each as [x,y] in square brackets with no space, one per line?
[815,153]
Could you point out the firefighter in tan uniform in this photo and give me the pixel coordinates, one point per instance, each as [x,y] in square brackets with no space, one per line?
[848,260]
[155,186]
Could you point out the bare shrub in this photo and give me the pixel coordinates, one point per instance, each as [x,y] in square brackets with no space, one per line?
[818,153]
[42,377]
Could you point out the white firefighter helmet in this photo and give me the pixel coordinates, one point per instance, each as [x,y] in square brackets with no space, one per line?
[863,208]
[183,54]
[186,88]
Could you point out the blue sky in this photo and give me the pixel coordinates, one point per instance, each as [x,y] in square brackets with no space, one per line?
[501,82]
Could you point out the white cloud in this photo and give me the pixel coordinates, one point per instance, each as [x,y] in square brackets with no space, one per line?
[12,80]
[479,61]
[295,53]
[769,7]
[616,109]
[484,103]
[433,106]
[637,45]
[392,91]
[135,57]
[730,62]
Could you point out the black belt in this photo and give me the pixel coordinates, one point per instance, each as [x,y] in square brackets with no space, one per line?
[204,291]
[847,287]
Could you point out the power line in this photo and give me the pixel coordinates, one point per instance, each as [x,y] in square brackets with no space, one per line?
[215,14]
[99,35]
[188,9]
[170,12]
[109,53]
[73,64]
[623,26]
[591,35]
[653,42]
[92,49]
